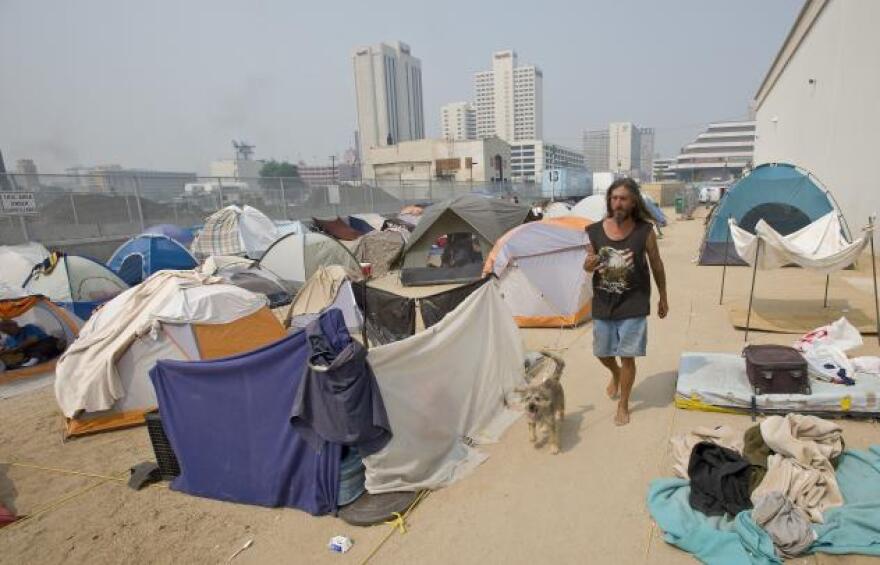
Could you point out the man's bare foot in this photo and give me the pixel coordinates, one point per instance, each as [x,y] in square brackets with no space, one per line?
[613,388]
[622,417]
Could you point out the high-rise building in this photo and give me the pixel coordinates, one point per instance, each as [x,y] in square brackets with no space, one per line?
[624,148]
[596,144]
[721,153]
[646,153]
[27,171]
[458,121]
[509,100]
[388,86]
[531,157]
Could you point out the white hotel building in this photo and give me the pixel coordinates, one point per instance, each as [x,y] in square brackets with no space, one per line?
[509,100]
[458,121]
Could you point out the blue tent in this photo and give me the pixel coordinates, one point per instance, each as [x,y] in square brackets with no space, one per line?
[145,254]
[786,197]
[181,235]
[656,212]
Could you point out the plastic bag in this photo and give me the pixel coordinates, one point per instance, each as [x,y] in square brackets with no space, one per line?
[840,334]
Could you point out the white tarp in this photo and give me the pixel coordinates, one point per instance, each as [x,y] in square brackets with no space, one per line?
[257,231]
[557,210]
[819,246]
[87,372]
[17,261]
[445,388]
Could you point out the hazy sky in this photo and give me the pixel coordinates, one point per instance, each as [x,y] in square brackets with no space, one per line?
[167,84]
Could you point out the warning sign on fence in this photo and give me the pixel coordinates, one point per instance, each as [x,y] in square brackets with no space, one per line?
[18,203]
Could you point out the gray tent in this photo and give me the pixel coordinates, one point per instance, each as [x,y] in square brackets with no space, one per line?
[471,224]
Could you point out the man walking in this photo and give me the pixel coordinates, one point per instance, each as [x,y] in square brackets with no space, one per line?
[620,249]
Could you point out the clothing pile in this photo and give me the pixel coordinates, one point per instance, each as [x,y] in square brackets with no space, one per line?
[780,478]
[825,349]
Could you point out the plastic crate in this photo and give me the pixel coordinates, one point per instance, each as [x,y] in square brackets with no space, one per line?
[165,457]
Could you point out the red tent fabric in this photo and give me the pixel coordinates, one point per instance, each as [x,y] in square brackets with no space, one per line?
[337,228]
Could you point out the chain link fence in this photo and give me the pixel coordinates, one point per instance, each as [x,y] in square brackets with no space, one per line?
[91,212]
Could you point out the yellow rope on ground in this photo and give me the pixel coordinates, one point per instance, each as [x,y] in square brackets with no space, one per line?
[56,503]
[398,523]
[653,525]
[121,479]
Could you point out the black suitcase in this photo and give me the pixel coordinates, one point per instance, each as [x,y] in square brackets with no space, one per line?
[776,369]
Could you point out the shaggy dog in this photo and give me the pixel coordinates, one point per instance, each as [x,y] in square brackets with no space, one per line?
[543,397]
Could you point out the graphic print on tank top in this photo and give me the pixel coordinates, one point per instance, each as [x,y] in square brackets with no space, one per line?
[618,265]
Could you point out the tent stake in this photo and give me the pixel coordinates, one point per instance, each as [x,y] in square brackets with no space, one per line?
[827,281]
[752,291]
[724,269]
[874,270]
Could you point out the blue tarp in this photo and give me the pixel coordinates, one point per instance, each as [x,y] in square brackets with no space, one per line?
[228,421]
[656,212]
[851,528]
[151,253]
[784,196]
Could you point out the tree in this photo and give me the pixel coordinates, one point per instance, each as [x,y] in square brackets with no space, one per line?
[273,168]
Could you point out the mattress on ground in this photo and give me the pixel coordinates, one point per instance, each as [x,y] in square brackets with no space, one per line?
[718,382]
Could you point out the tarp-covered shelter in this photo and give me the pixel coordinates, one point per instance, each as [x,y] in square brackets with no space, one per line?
[471,225]
[381,249]
[786,197]
[295,257]
[445,391]
[235,231]
[77,283]
[540,270]
[102,379]
[329,287]
[336,227]
[17,262]
[183,236]
[145,254]
[23,308]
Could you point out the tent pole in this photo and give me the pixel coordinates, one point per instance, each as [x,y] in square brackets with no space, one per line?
[827,282]
[874,270]
[752,291]
[724,269]
[364,316]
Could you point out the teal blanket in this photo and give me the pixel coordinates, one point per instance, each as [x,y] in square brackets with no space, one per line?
[851,528]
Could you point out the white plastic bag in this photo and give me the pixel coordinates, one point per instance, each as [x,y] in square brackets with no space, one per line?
[826,362]
[840,335]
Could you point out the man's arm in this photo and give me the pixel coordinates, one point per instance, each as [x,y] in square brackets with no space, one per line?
[658,271]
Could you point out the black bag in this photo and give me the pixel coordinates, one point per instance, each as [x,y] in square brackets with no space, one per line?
[776,369]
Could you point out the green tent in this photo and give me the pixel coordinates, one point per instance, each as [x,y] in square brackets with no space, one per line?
[471,225]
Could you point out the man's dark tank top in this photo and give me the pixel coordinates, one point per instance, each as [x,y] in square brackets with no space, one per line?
[623,289]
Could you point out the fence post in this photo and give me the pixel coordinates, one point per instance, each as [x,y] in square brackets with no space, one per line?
[24,230]
[284,199]
[137,201]
[220,192]
[73,207]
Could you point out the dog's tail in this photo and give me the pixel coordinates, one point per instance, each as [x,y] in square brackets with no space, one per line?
[560,364]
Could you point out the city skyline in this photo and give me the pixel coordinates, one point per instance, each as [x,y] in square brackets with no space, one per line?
[144,85]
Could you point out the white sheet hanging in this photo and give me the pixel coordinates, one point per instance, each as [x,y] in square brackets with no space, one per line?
[819,246]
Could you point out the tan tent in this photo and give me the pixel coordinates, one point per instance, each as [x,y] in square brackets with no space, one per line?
[102,380]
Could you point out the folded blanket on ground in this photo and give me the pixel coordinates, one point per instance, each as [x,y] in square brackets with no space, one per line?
[852,528]
[789,526]
[719,480]
[683,444]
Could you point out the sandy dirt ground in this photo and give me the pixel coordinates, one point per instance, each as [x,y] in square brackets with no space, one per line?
[585,505]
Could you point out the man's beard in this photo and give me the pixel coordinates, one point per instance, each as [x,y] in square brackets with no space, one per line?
[621,216]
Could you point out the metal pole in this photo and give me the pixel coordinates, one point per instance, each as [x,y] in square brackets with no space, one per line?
[220,192]
[137,195]
[827,282]
[73,208]
[24,230]
[284,199]
[874,270]
[752,291]
[724,269]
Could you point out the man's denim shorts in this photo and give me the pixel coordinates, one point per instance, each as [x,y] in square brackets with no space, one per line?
[620,338]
